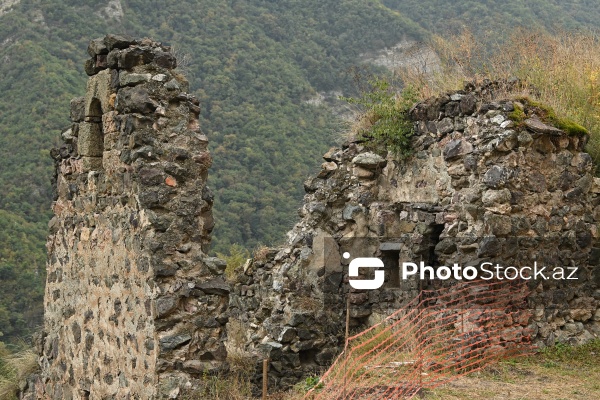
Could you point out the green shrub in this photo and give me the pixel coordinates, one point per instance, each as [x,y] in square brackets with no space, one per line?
[236,258]
[384,119]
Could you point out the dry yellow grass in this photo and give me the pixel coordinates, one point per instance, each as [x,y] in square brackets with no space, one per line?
[15,368]
[561,71]
[261,253]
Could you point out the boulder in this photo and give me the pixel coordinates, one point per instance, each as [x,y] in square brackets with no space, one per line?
[369,160]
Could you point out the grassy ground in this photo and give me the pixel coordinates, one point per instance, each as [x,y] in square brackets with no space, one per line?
[559,373]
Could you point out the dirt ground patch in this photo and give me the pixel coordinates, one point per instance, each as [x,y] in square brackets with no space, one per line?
[562,373]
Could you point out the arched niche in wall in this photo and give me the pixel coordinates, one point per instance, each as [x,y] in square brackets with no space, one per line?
[91,137]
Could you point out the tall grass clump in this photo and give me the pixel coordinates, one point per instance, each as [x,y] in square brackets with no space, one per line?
[561,71]
[236,259]
[14,370]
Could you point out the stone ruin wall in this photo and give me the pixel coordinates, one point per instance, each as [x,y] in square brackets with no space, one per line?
[133,307]
[136,309]
[478,187]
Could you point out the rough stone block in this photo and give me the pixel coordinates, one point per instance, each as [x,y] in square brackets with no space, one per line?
[118,41]
[99,91]
[78,109]
[369,160]
[96,47]
[127,79]
[135,56]
[92,163]
[468,104]
[90,67]
[136,99]
[165,60]
[110,123]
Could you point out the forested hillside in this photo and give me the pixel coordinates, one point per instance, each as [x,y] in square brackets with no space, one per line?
[253,64]
[498,18]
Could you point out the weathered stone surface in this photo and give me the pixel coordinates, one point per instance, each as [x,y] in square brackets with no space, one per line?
[123,291]
[129,280]
[165,60]
[445,126]
[369,160]
[334,154]
[498,225]
[456,148]
[136,99]
[132,57]
[524,139]
[508,141]
[78,109]
[496,177]
[350,211]
[172,85]
[468,104]
[91,68]
[494,197]
[97,47]
[91,139]
[506,191]
[537,126]
[130,79]
[165,305]
[91,164]
[363,173]
[118,41]
[215,286]
[326,169]
[198,367]
[172,342]
[98,95]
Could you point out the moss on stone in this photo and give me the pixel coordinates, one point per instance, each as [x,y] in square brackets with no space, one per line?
[548,115]
[517,116]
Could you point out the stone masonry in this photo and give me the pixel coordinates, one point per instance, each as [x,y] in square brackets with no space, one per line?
[489,180]
[134,308]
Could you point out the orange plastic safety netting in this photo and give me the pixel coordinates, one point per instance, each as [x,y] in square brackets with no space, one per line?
[438,336]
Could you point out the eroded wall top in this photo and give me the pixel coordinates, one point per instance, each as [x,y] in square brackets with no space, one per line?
[489,179]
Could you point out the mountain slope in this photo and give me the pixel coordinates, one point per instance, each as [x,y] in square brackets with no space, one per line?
[496,19]
[253,64]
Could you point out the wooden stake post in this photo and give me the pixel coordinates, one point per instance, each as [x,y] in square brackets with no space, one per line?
[265,378]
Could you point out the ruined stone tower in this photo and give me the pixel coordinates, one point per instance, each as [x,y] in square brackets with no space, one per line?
[133,305]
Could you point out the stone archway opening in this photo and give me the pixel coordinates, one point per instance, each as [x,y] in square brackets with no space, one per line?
[91,137]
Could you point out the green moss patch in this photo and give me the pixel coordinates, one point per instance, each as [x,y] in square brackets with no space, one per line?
[518,115]
[547,115]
